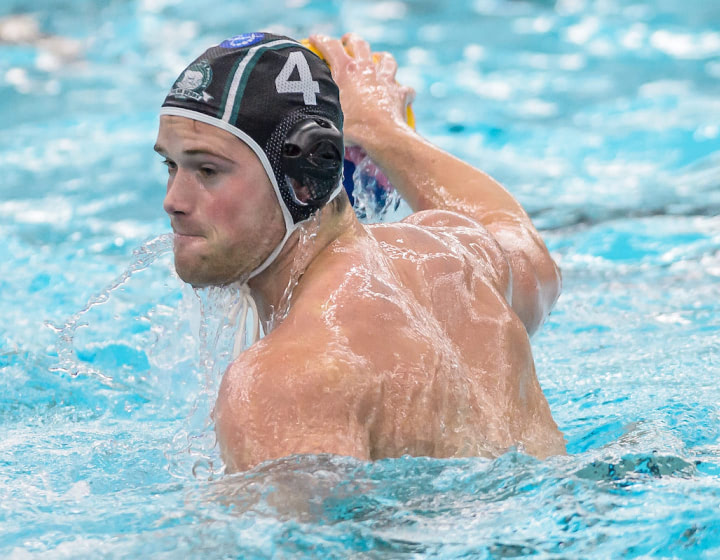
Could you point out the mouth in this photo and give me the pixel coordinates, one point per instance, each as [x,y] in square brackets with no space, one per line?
[181,233]
[185,239]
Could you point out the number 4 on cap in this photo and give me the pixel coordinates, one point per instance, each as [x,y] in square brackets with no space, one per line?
[305,85]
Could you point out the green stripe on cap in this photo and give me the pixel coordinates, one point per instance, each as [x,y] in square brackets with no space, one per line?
[228,86]
[242,74]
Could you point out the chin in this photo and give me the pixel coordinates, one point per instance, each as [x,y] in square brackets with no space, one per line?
[191,270]
[190,276]
[198,274]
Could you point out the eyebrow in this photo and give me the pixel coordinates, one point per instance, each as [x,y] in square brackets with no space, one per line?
[194,152]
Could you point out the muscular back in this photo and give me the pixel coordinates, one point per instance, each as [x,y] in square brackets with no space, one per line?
[402,339]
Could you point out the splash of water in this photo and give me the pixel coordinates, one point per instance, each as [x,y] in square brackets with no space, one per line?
[68,361]
[212,324]
[215,323]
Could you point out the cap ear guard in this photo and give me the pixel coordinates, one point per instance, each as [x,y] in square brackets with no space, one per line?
[312,160]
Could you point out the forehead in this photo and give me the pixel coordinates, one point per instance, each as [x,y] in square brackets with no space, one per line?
[183,134]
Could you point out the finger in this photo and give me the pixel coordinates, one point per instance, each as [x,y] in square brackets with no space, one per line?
[331,49]
[409,94]
[356,47]
[386,64]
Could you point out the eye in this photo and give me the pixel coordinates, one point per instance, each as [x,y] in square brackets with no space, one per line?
[171,165]
[207,171]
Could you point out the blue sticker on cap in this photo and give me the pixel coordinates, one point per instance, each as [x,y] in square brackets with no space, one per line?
[244,40]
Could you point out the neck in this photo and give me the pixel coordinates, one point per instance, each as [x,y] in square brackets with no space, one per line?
[273,287]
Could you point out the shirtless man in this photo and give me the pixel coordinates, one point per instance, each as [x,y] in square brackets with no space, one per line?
[403,338]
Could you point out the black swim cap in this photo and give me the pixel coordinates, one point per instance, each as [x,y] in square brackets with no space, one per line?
[262,88]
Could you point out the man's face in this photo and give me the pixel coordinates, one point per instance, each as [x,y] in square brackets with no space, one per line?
[221,203]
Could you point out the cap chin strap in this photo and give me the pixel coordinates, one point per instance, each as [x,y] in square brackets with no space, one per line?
[246,300]
[290,227]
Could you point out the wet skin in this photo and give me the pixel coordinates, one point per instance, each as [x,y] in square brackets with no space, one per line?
[401,341]
[402,338]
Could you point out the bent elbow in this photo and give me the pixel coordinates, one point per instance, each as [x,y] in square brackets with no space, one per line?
[536,287]
[548,280]
[551,282]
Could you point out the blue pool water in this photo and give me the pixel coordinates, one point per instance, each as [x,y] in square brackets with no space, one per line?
[601,116]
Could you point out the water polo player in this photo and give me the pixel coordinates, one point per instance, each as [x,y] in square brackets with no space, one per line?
[382,340]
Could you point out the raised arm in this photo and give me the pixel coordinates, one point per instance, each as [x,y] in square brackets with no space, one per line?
[429,178]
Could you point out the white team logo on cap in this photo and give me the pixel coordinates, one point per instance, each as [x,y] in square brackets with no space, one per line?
[193,82]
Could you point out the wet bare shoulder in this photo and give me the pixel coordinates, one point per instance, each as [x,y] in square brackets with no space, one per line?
[267,405]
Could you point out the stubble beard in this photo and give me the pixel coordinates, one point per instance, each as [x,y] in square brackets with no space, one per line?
[216,269]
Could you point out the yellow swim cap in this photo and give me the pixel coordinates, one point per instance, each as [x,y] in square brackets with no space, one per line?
[409,116]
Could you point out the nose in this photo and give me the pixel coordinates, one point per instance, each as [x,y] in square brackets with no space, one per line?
[179,198]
